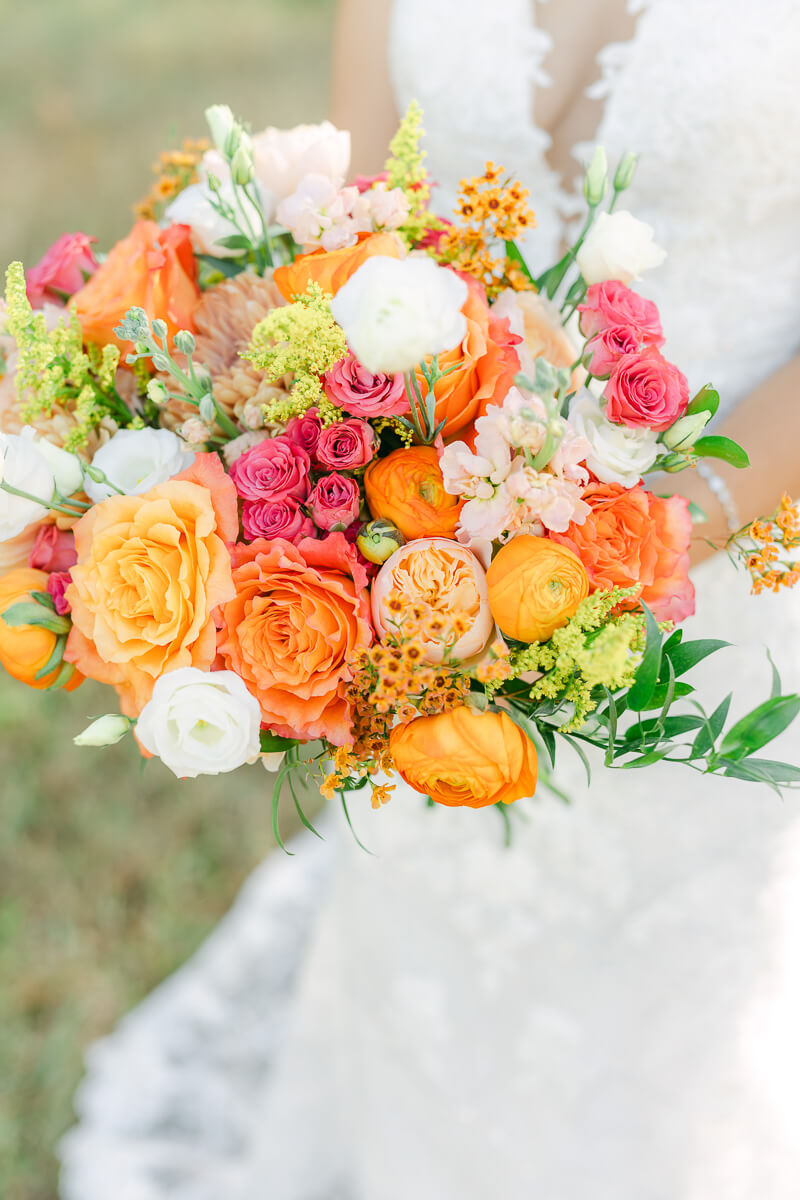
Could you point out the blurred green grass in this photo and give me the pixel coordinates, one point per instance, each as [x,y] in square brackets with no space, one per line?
[110,876]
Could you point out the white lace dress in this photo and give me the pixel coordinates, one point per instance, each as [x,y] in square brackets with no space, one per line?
[609,1008]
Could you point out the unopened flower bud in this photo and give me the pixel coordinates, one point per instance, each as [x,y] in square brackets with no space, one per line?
[253,415]
[214,182]
[221,123]
[685,432]
[206,409]
[194,431]
[242,167]
[596,178]
[184,342]
[159,328]
[105,731]
[625,171]
[378,540]
[161,362]
[157,392]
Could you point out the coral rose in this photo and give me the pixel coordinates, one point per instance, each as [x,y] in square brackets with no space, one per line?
[644,390]
[407,489]
[633,537]
[331,269]
[349,385]
[346,445]
[465,758]
[535,586]
[272,470]
[151,268]
[611,304]
[150,571]
[26,649]
[488,361]
[294,629]
[449,581]
[62,271]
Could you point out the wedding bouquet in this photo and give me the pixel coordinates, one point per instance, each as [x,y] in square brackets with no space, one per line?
[309,474]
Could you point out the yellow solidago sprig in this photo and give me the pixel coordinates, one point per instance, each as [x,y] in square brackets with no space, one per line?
[596,647]
[302,340]
[406,170]
[174,171]
[766,548]
[490,213]
[54,371]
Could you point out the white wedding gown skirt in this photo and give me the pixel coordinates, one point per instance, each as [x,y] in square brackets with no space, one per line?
[607,1009]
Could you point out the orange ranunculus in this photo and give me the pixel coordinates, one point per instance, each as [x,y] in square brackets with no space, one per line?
[467,758]
[150,571]
[294,629]
[633,537]
[151,268]
[535,586]
[488,360]
[25,649]
[331,269]
[407,489]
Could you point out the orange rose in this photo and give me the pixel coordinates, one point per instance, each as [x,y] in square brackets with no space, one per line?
[26,649]
[407,489]
[465,758]
[150,571]
[488,360]
[151,268]
[294,629]
[539,321]
[633,537]
[331,269]
[535,586]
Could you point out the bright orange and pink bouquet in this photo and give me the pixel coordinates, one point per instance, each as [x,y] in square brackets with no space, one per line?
[308,474]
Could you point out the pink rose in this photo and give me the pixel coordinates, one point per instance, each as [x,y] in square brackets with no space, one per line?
[304,431]
[53,549]
[352,387]
[63,270]
[335,502]
[57,584]
[365,182]
[646,390]
[605,349]
[346,446]
[272,470]
[281,518]
[612,303]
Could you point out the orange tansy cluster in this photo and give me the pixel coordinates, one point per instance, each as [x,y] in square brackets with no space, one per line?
[491,210]
[772,535]
[174,171]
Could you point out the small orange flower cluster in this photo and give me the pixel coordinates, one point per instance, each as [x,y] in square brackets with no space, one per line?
[772,535]
[174,171]
[490,211]
[497,668]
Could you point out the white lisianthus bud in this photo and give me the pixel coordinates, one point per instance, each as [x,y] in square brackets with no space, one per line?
[625,171]
[595,180]
[221,123]
[242,167]
[618,246]
[620,453]
[397,312]
[22,466]
[201,722]
[136,460]
[105,731]
[66,467]
[685,432]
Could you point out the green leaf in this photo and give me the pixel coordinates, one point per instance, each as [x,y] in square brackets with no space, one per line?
[689,654]
[669,694]
[766,770]
[235,241]
[662,728]
[760,726]
[697,514]
[712,728]
[303,818]
[54,659]
[706,400]
[612,727]
[647,674]
[45,599]
[350,823]
[659,695]
[653,756]
[226,267]
[776,679]
[513,252]
[62,678]
[723,448]
[581,753]
[26,612]
[271,743]
[276,799]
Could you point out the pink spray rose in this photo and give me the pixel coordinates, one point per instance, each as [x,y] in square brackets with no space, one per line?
[53,549]
[352,387]
[335,502]
[281,518]
[304,431]
[605,349]
[612,303]
[645,390]
[63,270]
[272,470]
[57,584]
[346,445]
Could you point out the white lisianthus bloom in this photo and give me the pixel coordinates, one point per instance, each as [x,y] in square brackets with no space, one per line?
[23,466]
[201,722]
[618,246]
[397,311]
[136,460]
[283,156]
[193,207]
[66,467]
[619,453]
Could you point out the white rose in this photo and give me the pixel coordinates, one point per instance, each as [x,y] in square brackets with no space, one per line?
[283,156]
[201,722]
[618,246]
[136,460]
[619,453]
[396,312]
[23,466]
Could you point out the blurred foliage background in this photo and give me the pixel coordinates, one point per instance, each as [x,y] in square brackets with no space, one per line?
[110,875]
